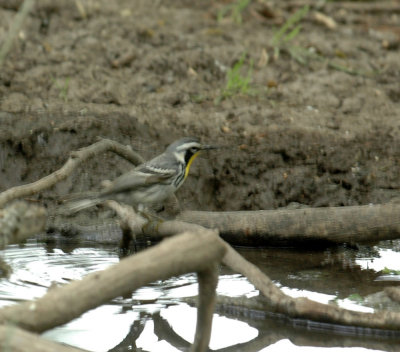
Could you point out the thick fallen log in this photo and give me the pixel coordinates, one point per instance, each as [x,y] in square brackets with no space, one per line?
[355,224]
[282,227]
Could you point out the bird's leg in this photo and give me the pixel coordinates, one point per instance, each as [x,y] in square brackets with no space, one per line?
[153,221]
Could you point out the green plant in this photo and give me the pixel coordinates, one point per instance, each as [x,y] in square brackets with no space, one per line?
[387,271]
[289,30]
[63,88]
[234,11]
[355,297]
[237,82]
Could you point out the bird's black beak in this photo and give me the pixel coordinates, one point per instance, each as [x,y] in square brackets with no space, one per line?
[209,147]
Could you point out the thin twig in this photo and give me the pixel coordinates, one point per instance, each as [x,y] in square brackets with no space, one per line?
[15,28]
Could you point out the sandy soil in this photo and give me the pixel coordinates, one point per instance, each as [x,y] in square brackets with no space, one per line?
[324,132]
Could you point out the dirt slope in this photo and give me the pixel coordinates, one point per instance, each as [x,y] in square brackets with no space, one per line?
[322,132]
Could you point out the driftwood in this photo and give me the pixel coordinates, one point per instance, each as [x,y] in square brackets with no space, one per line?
[19,221]
[181,254]
[199,250]
[276,300]
[14,339]
[304,308]
[189,252]
[355,224]
[300,227]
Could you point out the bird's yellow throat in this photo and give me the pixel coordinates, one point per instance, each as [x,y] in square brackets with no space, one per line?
[194,156]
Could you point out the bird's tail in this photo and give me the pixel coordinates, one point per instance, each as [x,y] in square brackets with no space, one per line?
[76,203]
[74,207]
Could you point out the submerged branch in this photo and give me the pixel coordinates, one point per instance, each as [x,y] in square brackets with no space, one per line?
[303,308]
[279,302]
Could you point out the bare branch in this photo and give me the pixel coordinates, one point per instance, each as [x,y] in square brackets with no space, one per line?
[73,162]
[303,307]
[276,300]
[189,252]
[208,280]
[279,302]
[123,151]
[128,217]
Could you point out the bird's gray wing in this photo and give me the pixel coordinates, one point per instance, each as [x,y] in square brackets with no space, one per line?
[137,178]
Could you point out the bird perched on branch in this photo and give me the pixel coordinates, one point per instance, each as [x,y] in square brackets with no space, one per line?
[149,183]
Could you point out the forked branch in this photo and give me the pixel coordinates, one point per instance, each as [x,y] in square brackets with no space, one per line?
[75,159]
[189,252]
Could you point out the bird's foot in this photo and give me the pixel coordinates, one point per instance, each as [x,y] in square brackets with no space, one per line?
[152,224]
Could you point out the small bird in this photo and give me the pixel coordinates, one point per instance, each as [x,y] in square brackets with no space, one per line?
[151,182]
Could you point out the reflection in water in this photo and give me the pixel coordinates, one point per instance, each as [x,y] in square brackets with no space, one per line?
[226,332]
[158,317]
[287,346]
[97,330]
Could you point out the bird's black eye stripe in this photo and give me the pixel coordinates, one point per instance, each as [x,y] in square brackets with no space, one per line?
[189,153]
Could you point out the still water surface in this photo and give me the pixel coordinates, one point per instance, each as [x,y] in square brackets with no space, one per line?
[160,317]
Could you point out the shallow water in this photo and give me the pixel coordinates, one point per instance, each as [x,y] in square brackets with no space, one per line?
[160,316]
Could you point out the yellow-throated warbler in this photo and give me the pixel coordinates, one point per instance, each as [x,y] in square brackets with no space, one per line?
[151,182]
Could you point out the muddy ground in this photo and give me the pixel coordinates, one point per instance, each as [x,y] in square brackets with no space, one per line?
[321,132]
